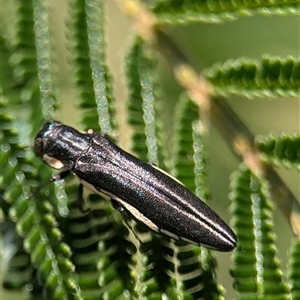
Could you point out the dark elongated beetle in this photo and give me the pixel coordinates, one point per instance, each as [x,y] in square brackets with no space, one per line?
[149,195]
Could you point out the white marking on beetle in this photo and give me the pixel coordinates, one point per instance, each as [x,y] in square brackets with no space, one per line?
[138,215]
[164,172]
[170,234]
[100,192]
[202,244]
[90,131]
[53,162]
[132,210]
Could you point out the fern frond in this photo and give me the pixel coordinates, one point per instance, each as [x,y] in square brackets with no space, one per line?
[142,104]
[24,62]
[9,86]
[272,76]
[200,162]
[134,67]
[188,11]
[99,248]
[24,53]
[88,62]
[280,150]
[187,113]
[15,261]
[255,269]
[44,59]
[194,267]
[81,63]
[142,116]
[294,270]
[16,271]
[100,73]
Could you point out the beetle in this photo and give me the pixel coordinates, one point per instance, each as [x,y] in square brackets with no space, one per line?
[146,193]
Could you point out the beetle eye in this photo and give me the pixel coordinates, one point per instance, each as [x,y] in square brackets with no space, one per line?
[38,147]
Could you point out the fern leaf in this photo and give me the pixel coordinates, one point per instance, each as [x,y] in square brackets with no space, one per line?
[281,150]
[100,250]
[24,56]
[24,63]
[142,116]
[255,265]
[88,62]
[192,278]
[8,85]
[272,76]
[188,11]
[100,74]
[294,270]
[81,63]
[135,102]
[44,59]
[15,260]
[186,114]
[142,104]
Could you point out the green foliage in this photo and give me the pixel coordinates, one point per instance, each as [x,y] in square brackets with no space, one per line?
[187,11]
[81,61]
[280,150]
[256,269]
[271,77]
[52,249]
[85,29]
[294,270]
[194,267]
[99,247]
[142,116]
[141,102]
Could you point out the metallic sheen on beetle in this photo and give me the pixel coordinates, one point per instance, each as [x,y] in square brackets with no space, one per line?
[147,194]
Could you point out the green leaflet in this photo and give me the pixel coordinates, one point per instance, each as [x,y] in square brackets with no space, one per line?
[142,117]
[81,61]
[25,66]
[136,63]
[256,269]
[188,11]
[24,57]
[100,74]
[280,150]
[294,267]
[187,114]
[43,54]
[8,84]
[272,76]
[17,260]
[193,269]
[100,250]
[142,104]
[91,75]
